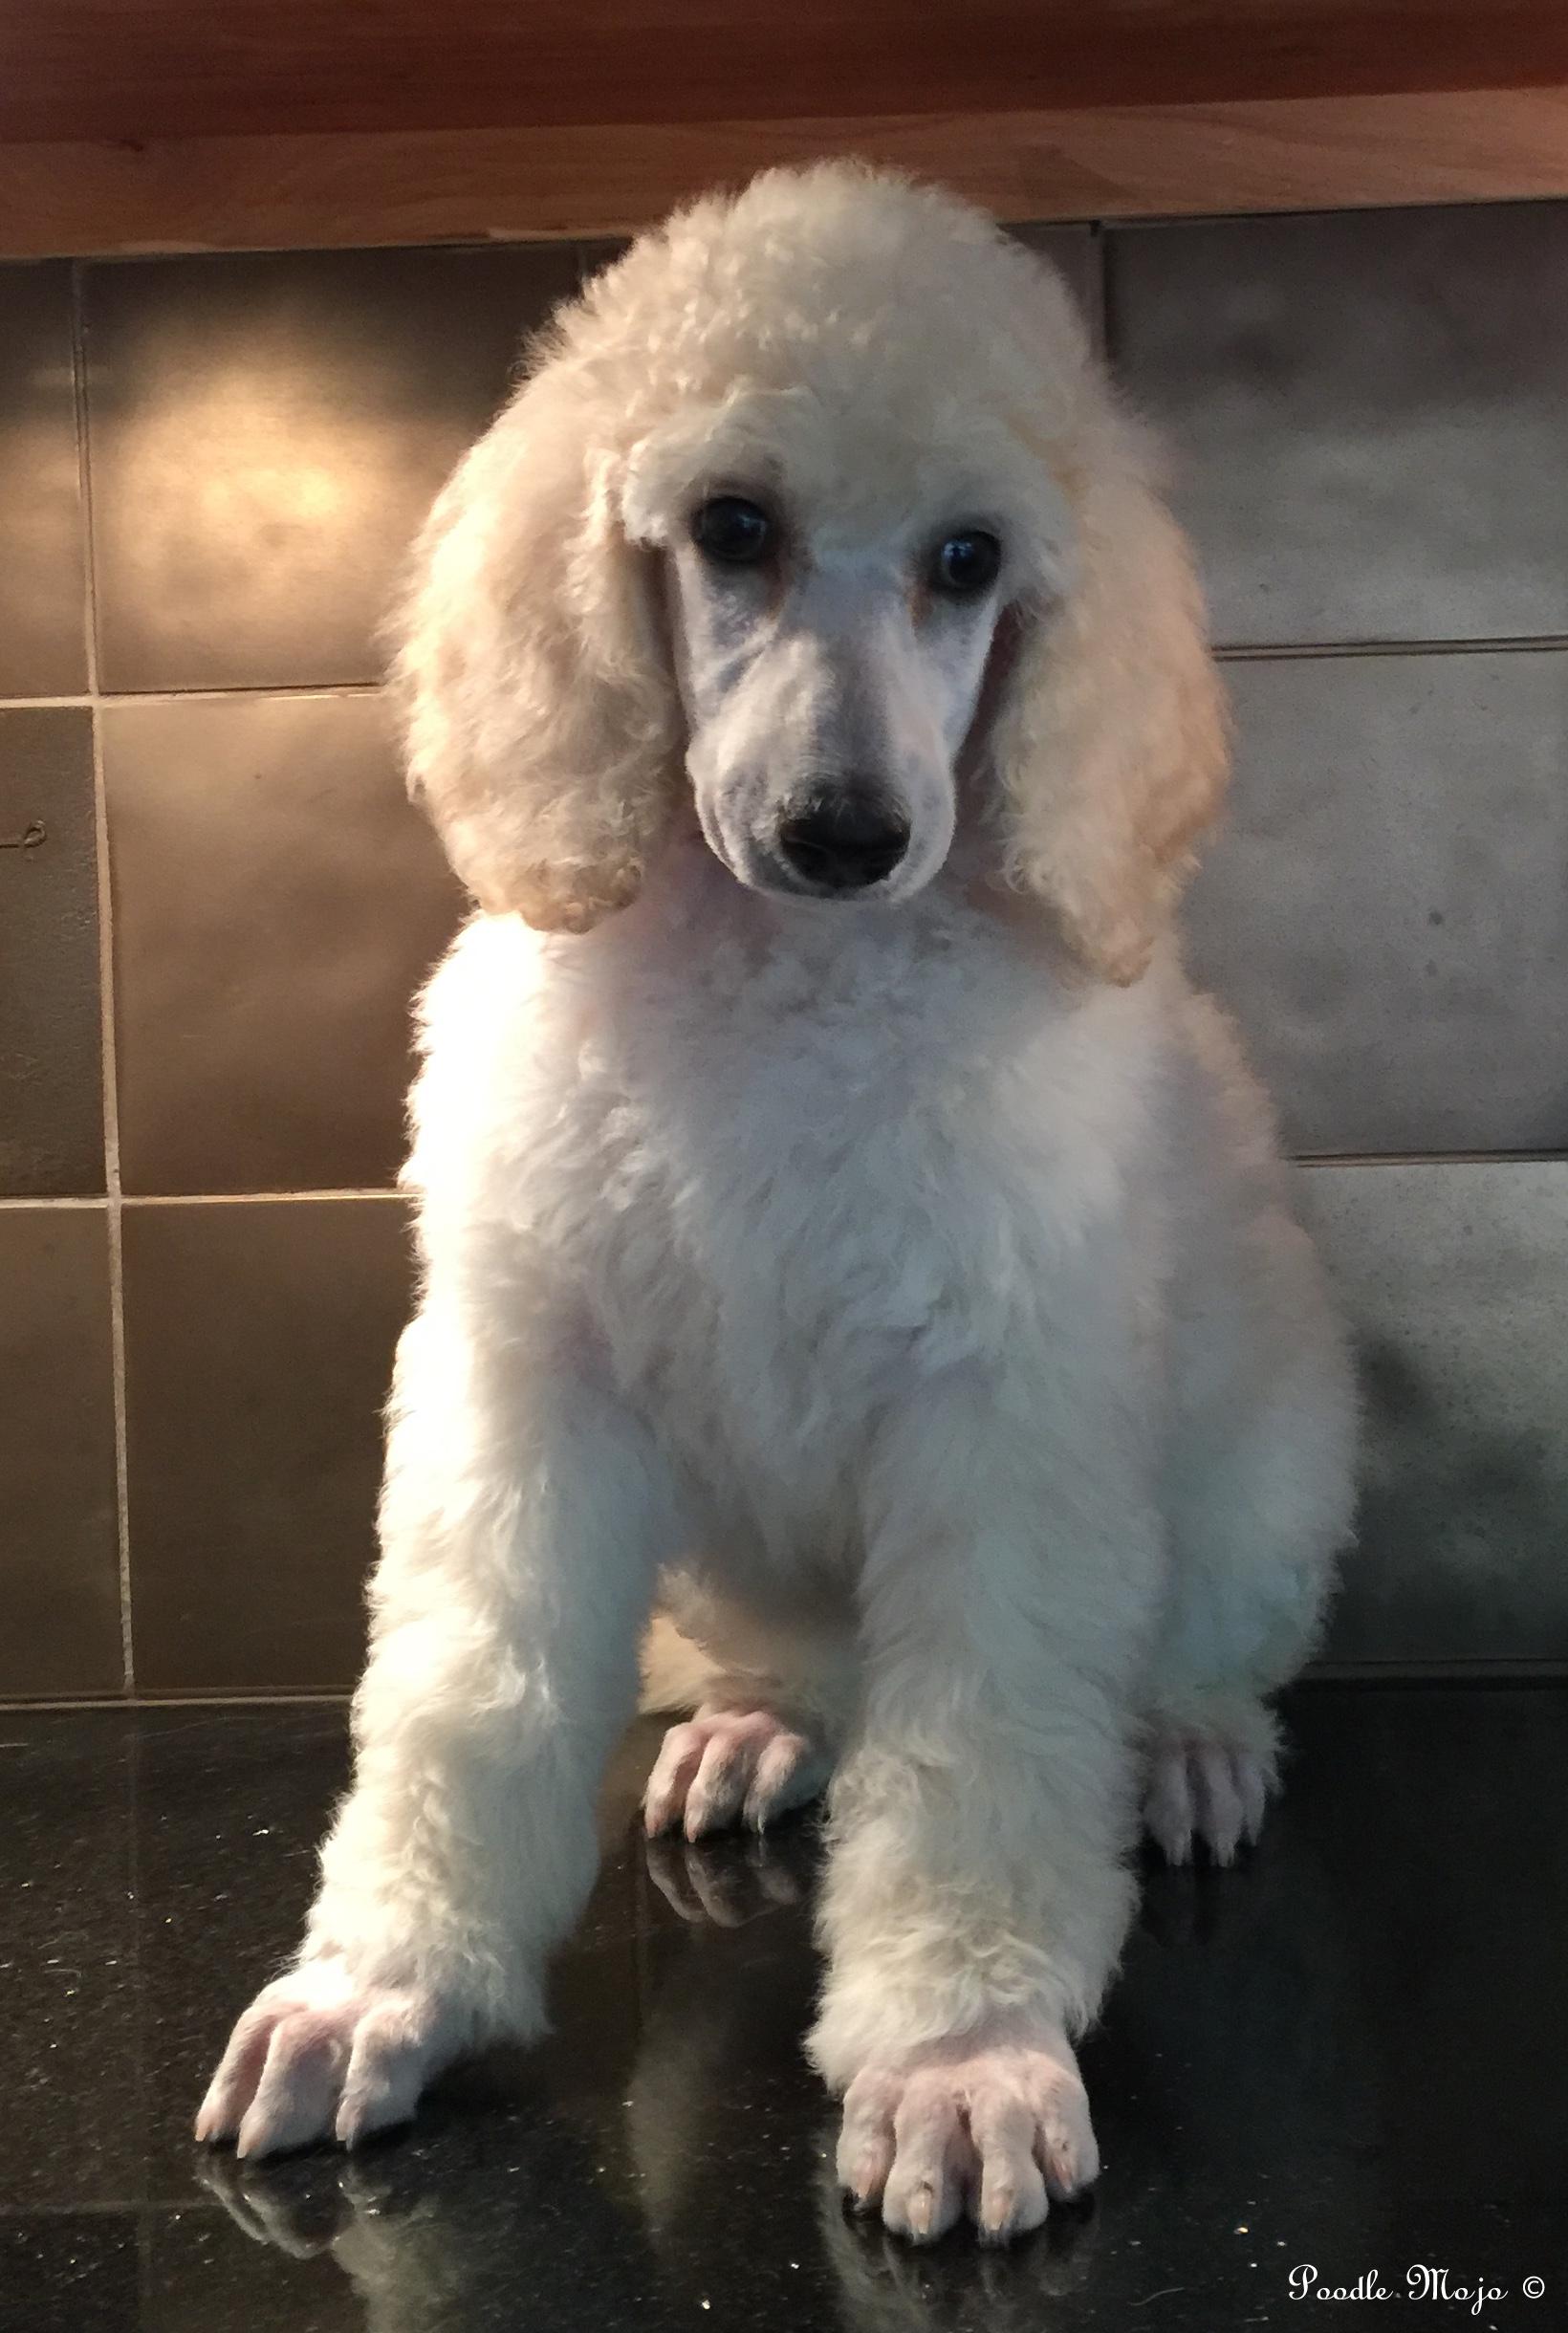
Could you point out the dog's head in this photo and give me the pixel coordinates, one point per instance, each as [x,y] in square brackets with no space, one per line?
[816,511]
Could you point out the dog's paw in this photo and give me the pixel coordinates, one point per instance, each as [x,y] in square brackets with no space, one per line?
[317,2055]
[1206,1788]
[999,2132]
[726,1766]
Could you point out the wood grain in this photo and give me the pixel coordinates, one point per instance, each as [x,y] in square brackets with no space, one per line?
[239,193]
[74,70]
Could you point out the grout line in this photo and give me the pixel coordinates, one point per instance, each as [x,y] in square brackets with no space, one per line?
[244,689]
[1313,1159]
[116,1223]
[1299,651]
[1226,652]
[202,696]
[1250,652]
[84,480]
[1309,1161]
[198,1198]
[182,696]
[94,1199]
[123,1706]
[106,997]
[1277,651]
[252,1198]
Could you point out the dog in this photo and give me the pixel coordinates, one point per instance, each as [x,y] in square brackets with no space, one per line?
[842,1231]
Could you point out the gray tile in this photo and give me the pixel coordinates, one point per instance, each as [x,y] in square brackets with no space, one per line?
[1077,250]
[259,1351]
[1386,909]
[60,1539]
[1455,1277]
[596,252]
[268,429]
[43,605]
[50,1039]
[1368,413]
[277,900]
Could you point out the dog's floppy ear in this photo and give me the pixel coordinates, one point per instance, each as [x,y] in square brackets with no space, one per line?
[538,713]
[1110,748]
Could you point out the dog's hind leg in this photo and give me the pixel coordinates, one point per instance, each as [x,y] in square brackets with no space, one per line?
[1259,1504]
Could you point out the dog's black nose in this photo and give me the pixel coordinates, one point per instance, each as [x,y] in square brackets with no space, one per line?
[844,838]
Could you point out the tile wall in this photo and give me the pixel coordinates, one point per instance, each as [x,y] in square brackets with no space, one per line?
[215,901]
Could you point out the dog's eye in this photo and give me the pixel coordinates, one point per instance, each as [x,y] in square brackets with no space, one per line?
[965,565]
[732,531]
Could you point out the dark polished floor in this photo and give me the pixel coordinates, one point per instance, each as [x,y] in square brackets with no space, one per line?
[1351,2054]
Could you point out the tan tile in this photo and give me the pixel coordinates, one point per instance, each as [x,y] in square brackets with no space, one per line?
[50,1073]
[43,602]
[278,901]
[268,428]
[59,1545]
[259,1342]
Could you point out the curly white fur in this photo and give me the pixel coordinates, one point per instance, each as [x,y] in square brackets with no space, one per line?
[900,1292]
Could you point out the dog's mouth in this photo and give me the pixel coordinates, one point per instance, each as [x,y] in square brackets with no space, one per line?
[770,874]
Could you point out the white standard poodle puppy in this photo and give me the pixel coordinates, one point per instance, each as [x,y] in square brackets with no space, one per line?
[843,1231]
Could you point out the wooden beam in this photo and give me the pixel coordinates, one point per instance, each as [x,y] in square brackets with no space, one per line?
[103,70]
[294,191]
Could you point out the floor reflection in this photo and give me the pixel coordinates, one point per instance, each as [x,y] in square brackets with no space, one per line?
[1347,2052]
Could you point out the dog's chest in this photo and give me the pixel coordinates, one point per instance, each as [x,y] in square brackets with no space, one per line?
[790,1167]
[802,1185]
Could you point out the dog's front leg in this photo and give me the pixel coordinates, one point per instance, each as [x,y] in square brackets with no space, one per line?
[977,1890]
[523,1517]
